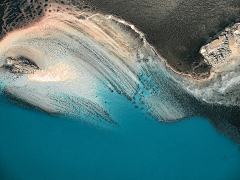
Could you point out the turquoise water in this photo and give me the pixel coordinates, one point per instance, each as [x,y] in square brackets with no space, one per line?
[37,146]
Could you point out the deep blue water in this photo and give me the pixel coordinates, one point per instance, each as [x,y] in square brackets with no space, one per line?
[37,146]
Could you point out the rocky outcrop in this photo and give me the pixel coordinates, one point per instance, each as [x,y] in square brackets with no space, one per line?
[225,46]
[20,65]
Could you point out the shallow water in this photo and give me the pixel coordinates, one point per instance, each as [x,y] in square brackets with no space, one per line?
[35,145]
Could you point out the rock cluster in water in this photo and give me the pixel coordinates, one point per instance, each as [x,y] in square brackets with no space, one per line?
[219,51]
